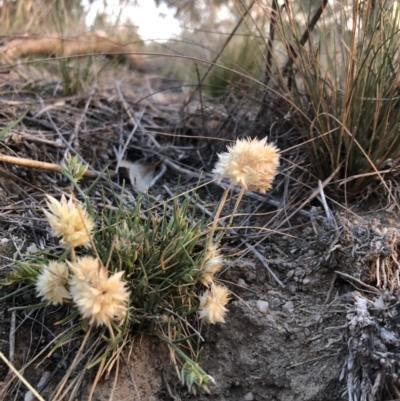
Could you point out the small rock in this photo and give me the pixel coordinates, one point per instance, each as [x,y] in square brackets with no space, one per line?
[29,396]
[380,303]
[290,274]
[242,283]
[26,297]
[274,293]
[306,281]
[4,240]
[288,307]
[251,277]
[249,397]
[275,302]
[262,307]
[32,248]
[317,317]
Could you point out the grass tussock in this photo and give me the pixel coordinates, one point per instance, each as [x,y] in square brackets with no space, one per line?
[338,87]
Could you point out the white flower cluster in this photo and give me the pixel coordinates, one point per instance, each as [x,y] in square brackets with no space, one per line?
[100,298]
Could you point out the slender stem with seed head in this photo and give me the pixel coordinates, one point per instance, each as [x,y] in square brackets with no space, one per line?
[239,198]
[217,214]
[73,255]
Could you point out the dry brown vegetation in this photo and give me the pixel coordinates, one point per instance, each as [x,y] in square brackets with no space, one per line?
[92,43]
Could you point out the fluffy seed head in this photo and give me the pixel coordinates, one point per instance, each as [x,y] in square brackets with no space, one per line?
[69,220]
[212,265]
[212,304]
[98,297]
[250,163]
[51,282]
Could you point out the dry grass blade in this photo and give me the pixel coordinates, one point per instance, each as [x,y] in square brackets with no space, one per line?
[20,377]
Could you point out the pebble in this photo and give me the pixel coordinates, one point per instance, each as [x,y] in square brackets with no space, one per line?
[306,281]
[26,297]
[262,307]
[275,303]
[380,303]
[288,307]
[32,248]
[249,397]
[242,283]
[274,293]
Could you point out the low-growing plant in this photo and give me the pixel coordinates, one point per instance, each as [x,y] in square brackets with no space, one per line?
[129,270]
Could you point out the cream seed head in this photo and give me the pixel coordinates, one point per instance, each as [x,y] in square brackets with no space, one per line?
[69,220]
[212,265]
[212,304]
[98,297]
[250,163]
[85,269]
[51,283]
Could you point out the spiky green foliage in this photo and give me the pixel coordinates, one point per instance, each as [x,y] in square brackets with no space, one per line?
[160,254]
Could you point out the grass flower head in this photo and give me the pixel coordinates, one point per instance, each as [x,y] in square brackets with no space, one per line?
[250,163]
[212,265]
[51,283]
[69,220]
[212,304]
[99,298]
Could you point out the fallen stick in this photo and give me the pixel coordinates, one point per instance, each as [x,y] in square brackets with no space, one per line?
[40,165]
[20,377]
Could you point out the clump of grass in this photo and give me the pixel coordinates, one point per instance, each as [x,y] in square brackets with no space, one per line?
[244,55]
[22,15]
[341,88]
[233,56]
[138,270]
[76,74]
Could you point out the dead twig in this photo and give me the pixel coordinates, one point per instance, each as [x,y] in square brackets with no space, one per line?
[38,139]
[369,287]
[19,161]
[312,360]
[20,377]
[306,35]
[12,336]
